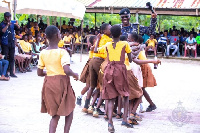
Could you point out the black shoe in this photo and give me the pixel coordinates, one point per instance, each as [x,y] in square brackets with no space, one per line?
[13,76]
[126,124]
[151,108]
[78,101]
[100,112]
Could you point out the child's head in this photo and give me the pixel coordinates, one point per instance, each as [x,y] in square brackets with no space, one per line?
[92,40]
[105,28]
[115,31]
[53,34]
[25,38]
[123,38]
[132,37]
[151,36]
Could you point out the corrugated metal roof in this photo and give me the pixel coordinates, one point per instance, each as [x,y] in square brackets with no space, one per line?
[189,4]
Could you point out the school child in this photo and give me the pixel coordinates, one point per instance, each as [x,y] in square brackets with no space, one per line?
[95,63]
[58,98]
[148,80]
[85,77]
[151,44]
[115,76]
[135,89]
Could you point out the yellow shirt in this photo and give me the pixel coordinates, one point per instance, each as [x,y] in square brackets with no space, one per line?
[142,55]
[23,33]
[152,42]
[61,44]
[26,46]
[115,53]
[91,54]
[126,62]
[53,60]
[67,38]
[102,42]
[33,30]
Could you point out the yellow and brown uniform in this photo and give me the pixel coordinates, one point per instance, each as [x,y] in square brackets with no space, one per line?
[115,81]
[148,77]
[57,94]
[97,60]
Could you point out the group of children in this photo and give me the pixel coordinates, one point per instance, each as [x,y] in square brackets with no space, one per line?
[117,76]
[117,71]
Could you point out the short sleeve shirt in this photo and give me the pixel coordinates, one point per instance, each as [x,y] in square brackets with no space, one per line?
[53,60]
[190,41]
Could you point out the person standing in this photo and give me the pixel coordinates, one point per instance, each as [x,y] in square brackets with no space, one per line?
[128,27]
[7,34]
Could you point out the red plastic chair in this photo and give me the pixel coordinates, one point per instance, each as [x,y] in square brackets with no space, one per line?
[195,52]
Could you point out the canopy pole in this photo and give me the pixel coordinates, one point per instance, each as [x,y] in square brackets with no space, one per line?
[81,40]
[60,24]
[15,5]
[136,17]
[95,18]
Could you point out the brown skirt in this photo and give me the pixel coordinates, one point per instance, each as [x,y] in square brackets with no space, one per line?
[115,81]
[148,77]
[58,97]
[85,76]
[134,90]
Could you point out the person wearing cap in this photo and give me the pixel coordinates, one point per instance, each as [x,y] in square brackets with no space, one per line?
[7,34]
[128,27]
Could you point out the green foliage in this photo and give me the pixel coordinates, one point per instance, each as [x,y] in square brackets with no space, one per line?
[166,22]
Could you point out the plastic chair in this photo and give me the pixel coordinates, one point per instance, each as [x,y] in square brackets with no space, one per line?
[195,51]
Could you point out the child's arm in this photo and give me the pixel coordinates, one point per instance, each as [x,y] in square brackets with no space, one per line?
[41,72]
[97,44]
[140,62]
[69,72]
[129,57]
[133,44]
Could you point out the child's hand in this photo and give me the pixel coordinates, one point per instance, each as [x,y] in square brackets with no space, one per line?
[157,62]
[1,56]
[75,76]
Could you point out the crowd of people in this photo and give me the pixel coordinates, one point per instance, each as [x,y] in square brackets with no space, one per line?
[116,72]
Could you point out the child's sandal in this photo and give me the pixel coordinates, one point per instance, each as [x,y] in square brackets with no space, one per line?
[119,116]
[133,122]
[111,128]
[126,124]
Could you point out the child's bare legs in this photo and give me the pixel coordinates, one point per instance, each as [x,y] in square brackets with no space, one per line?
[110,110]
[96,95]
[68,122]
[155,51]
[126,104]
[146,50]
[131,102]
[119,107]
[53,123]
[147,97]
[152,106]
[136,104]
[85,89]
[188,52]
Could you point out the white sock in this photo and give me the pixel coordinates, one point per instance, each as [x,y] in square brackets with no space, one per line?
[81,96]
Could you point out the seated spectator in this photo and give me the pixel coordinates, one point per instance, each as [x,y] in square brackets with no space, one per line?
[151,44]
[162,42]
[67,38]
[21,60]
[183,37]
[198,43]
[26,48]
[190,45]
[145,38]
[173,43]
[3,68]
[37,47]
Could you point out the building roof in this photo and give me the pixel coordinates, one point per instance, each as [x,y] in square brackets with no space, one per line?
[168,7]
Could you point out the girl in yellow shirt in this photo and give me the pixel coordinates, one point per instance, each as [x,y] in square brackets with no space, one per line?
[151,44]
[58,97]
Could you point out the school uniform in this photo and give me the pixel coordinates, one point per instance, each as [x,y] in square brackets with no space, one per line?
[58,97]
[148,77]
[97,60]
[85,76]
[115,81]
[135,90]
[26,46]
